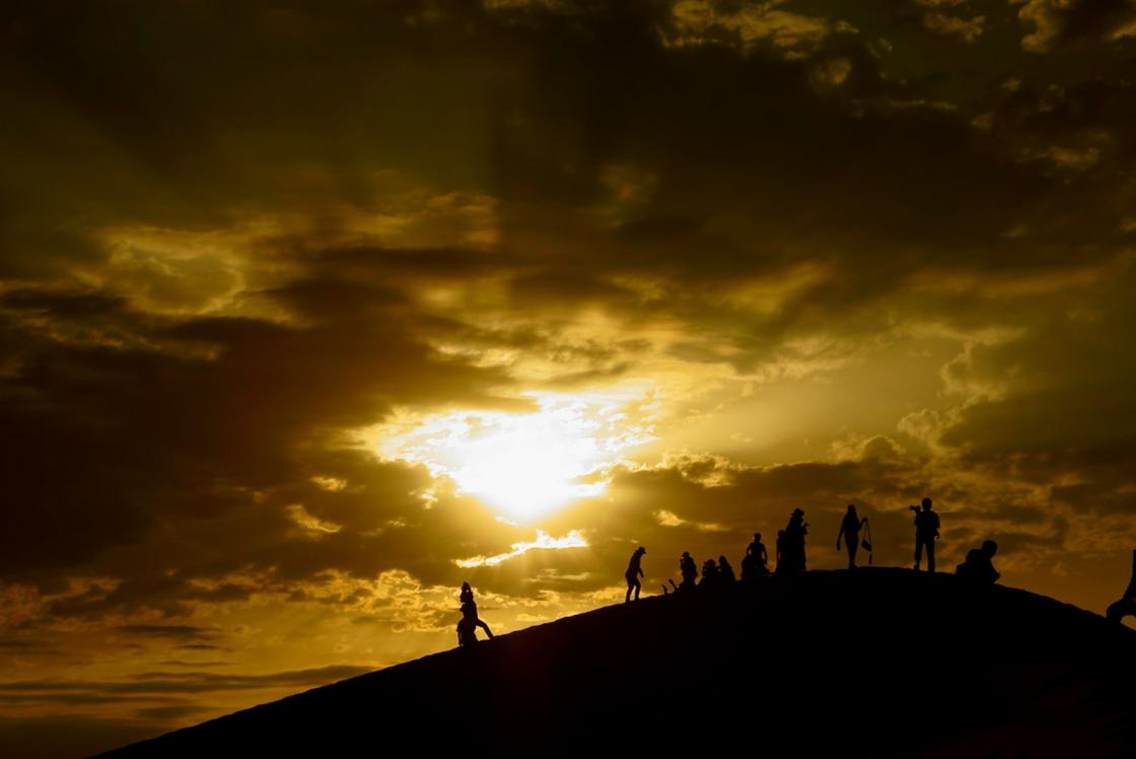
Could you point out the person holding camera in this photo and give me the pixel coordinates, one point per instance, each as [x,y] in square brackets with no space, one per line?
[926,532]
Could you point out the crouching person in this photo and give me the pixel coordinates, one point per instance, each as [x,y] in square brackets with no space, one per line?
[979,566]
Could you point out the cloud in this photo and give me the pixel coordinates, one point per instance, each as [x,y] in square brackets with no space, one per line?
[792,35]
[62,737]
[543,541]
[841,253]
[145,683]
[1056,22]
[964,29]
[172,632]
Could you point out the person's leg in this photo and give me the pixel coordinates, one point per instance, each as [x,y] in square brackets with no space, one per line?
[638,587]
[918,551]
[852,546]
[485,627]
[931,555]
[630,585]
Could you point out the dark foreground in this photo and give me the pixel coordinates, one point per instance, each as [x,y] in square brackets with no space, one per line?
[878,662]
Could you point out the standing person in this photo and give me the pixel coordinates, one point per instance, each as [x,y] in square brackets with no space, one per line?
[688,569]
[467,632]
[926,532]
[726,572]
[793,550]
[850,530]
[709,574]
[634,572]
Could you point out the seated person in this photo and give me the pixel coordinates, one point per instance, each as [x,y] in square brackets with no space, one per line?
[978,567]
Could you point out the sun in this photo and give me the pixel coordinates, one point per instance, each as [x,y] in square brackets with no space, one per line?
[525,465]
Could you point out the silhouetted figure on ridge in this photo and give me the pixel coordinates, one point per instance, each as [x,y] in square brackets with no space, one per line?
[757,549]
[726,574]
[850,528]
[634,572]
[467,627]
[709,575]
[926,532]
[1126,606]
[979,566]
[755,563]
[689,571]
[791,558]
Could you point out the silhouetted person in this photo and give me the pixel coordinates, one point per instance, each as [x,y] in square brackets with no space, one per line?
[726,574]
[755,563]
[850,528]
[1126,606]
[757,550]
[467,627]
[926,531]
[791,559]
[979,566]
[688,569]
[709,574]
[780,548]
[634,572]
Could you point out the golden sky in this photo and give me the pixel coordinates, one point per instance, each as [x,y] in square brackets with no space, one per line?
[311,311]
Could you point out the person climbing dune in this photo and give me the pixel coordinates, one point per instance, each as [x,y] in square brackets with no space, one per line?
[470,621]
[634,572]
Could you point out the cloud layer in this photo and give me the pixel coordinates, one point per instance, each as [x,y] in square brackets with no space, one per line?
[261,263]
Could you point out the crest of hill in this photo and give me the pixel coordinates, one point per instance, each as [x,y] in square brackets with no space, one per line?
[879,661]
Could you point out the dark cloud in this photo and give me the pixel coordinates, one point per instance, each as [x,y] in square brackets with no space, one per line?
[686,147]
[65,737]
[173,632]
[184,663]
[166,713]
[184,682]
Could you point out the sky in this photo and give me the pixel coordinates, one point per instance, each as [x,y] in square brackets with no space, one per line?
[311,311]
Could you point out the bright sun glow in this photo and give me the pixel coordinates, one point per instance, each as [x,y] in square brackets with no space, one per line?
[527,464]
